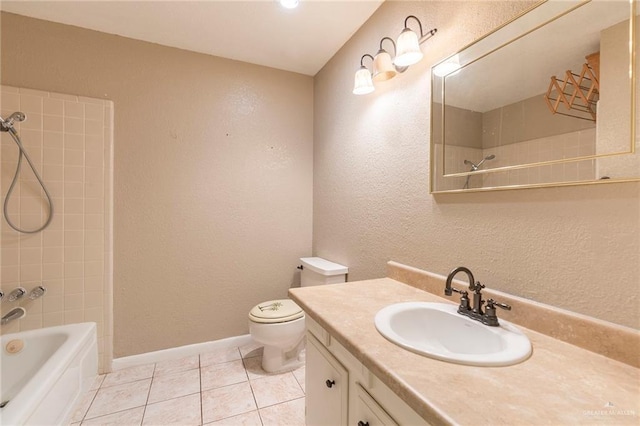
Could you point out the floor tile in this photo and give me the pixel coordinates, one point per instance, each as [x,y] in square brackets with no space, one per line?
[127,375]
[219,356]
[128,418]
[219,375]
[177,365]
[251,350]
[226,402]
[276,389]
[254,368]
[83,406]
[183,411]
[174,385]
[119,397]
[288,413]
[251,418]
[299,374]
[97,382]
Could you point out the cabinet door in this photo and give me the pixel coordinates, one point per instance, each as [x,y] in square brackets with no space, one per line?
[367,412]
[327,387]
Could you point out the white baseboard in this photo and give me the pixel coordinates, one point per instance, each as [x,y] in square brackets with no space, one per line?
[179,352]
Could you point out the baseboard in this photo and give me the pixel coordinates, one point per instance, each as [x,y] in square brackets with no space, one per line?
[179,352]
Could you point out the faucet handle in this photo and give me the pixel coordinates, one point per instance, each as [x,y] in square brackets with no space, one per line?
[491,303]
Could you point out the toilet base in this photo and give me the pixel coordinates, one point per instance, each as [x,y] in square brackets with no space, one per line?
[277,360]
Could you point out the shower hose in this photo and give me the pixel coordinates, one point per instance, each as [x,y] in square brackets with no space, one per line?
[23,153]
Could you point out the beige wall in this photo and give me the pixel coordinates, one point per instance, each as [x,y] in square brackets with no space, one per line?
[213,176]
[574,247]
[69,140]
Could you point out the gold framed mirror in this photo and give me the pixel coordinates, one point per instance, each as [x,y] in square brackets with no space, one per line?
[548,99]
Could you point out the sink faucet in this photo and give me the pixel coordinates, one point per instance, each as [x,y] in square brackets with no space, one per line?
[489,317]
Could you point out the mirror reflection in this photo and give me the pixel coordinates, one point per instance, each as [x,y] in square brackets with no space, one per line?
[542,100]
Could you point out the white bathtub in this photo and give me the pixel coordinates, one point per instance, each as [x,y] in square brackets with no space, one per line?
[43,382]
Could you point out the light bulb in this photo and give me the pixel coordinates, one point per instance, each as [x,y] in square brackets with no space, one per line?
[289,4]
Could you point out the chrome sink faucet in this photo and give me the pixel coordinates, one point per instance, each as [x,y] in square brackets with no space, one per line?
[487,317]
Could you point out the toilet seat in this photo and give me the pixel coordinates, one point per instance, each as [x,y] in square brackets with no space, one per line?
[276,311]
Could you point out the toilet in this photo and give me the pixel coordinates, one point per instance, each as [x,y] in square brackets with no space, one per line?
[279,324]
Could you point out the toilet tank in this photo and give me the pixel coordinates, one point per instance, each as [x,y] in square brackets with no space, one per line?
[318,271]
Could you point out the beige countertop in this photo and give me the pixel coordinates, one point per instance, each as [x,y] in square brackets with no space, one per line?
[559,384]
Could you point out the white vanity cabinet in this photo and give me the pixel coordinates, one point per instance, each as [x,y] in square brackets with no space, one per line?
[342,391]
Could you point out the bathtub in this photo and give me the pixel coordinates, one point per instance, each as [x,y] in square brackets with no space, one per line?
[44,380]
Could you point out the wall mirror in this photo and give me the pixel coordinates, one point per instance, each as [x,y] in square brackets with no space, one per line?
[548,99]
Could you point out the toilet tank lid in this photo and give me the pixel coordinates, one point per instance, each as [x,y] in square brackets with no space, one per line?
[323,266]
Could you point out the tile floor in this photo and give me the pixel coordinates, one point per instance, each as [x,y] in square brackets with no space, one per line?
[225,387]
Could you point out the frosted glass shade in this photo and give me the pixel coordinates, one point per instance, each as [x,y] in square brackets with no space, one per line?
[362,82]
[408,49]
[383,67]
[289,4]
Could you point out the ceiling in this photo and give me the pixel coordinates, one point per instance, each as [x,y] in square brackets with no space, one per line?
[261,32]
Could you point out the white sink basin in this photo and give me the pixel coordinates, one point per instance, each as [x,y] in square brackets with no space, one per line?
[438,331]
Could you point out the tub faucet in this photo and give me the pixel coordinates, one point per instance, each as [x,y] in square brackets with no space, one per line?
[489,317]
[14,314]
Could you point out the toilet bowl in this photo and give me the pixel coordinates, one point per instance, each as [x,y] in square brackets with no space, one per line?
[279,324]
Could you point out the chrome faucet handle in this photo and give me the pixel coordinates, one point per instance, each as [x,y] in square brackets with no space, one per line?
[36,292]
[1,295]
[16,294]
[491,303]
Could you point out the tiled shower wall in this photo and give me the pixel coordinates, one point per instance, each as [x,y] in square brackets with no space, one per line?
[69,140]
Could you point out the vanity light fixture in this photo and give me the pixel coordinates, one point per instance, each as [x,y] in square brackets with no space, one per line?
[289,4]
[362,83]
[406,52]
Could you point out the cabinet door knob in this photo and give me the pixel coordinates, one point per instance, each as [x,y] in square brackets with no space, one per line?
[361,423]
[330,383]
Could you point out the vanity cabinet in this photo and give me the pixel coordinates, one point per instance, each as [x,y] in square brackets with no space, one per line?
[340,390]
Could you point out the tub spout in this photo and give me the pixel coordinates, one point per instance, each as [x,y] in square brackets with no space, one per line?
[14,314]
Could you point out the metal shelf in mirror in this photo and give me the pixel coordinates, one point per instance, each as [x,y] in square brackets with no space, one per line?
[491,126]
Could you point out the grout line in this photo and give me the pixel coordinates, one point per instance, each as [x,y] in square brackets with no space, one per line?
[144,410]
[200,376]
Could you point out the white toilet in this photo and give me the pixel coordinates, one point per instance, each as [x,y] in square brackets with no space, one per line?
[279,324]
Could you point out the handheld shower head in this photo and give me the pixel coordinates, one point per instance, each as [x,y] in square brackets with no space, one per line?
[6,124]
[490,157]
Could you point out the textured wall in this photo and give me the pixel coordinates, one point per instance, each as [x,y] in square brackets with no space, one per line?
[69,140]
[575,247]
[212,169]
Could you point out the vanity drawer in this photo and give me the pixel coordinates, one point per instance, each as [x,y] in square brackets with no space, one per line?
[368,412]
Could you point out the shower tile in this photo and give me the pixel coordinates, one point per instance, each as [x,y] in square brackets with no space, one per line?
[251,418]
[127,417]
[10,101]
[73,109]
[33,92]
[91,100]
[73,157]
[73,125]
[52,123]
[73,301]
[94,142]
[226,402]
[93,127]
[52,106]
[30,273]
[73,270]
[183,411]
[52,303]
[73,141]
[10,256]
[73,253]
[73,174]
[73,206]
[73,285]
[177,365]
[8,89]
[73,317]
[94,221]
[293,411]
[34,122]
[276,389]
[94,315]
[53,156]
[73,238]
[219,375]
[63,96]
[93,299]
[30,104]
[52,319]
[94,111]
[174,385]
[94,269]
[52,139]
[93,206]
[219,356]
[127,375]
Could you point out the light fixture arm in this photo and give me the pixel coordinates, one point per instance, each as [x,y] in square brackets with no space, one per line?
[423,37]
[362,59]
